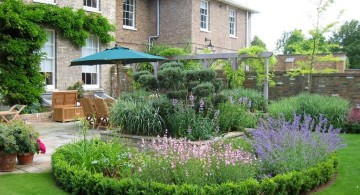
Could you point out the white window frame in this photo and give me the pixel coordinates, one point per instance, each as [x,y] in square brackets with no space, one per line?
[133,4]
[204,13]
[52,58]
[94,50]
[45,1]
[232,21]
[90,8]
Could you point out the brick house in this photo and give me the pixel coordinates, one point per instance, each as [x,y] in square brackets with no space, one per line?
[224,23]
[139,23]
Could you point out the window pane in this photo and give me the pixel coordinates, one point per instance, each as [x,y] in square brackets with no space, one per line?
[129,13]
[91,47]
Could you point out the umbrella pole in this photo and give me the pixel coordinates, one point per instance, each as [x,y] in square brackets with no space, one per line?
[117,80]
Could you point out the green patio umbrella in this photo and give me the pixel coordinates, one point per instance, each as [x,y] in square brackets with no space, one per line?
[118,56]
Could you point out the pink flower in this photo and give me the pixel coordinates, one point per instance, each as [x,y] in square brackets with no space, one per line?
[41,146]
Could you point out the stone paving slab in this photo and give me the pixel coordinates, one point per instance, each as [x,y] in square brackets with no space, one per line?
[53,135]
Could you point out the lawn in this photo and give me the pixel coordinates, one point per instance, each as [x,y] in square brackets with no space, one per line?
[347,180]
[30,183]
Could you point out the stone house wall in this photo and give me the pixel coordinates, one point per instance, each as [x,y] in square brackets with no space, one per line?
[66,51]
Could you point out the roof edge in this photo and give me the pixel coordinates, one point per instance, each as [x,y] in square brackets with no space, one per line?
[239,5]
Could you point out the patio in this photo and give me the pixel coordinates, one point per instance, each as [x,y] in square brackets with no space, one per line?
[53,135]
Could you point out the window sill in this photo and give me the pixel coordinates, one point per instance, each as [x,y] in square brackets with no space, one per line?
[129,28]
[46,2]
[204,30]
[234,37]
[91,9]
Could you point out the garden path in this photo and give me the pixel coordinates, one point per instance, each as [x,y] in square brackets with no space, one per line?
[53,135]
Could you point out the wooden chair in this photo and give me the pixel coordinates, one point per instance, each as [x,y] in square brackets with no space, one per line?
[102,112]
[89,110]
[12,113]
[109,102]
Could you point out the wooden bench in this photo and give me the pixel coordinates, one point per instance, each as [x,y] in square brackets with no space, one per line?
[65,107]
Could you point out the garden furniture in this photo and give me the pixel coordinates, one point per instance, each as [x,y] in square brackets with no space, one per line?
[102,112]
[89,109]
[12,113]
[65,107]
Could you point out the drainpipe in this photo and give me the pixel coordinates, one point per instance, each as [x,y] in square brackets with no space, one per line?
[157,24]
[247,41]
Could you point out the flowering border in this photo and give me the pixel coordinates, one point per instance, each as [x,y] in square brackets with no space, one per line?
[71,179]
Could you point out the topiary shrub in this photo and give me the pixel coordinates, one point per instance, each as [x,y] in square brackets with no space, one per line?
[204,89]
[149,82]
[171,78]
[137,75]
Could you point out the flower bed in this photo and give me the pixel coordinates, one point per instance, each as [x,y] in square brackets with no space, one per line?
[80,181]
[280,157]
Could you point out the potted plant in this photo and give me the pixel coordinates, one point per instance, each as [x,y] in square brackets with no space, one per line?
[27,140]
[8,148]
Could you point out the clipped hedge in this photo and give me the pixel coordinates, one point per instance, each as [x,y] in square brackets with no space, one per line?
[77,181]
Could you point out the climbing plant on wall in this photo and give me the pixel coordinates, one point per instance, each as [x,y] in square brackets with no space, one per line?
[22,36]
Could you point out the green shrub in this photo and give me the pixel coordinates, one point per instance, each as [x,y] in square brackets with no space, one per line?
[149,82]
[79,87]
[192,123]
[179,94]
[235,117]
[335,109]
[171,78]
[219,99]
[204,90]
[171,65]
[136,117]
[218,84]
[256,98]
[137,75]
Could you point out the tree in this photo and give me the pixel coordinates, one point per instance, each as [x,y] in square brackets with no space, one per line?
[284,44]
[348,39]
[314,45]
[258,42]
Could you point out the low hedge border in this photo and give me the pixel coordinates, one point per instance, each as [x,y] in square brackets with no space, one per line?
[76,181]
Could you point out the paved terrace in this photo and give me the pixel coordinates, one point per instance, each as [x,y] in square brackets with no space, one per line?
[53,135]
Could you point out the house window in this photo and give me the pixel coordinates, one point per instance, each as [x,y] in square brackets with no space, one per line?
[232,23]
[47,65]
[91,5]
[204,15]
[129,13]
[90,74]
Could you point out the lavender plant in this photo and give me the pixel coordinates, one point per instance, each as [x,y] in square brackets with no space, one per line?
[180,161]
[285,146]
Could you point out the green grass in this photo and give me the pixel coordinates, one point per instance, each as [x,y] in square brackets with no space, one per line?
[348,178]
[29,183]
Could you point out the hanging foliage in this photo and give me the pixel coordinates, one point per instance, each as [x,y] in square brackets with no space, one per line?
[258,64]
[22,36]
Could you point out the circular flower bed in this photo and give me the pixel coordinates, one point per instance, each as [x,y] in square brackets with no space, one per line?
[168,166]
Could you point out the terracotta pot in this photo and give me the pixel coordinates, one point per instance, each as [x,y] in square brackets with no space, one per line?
[25,159]
[7,162]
